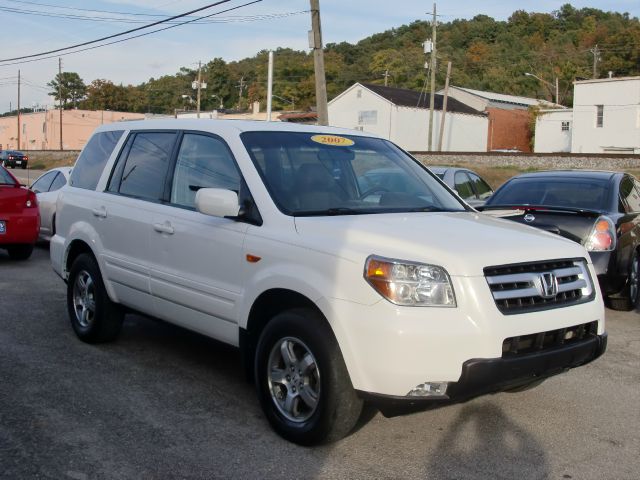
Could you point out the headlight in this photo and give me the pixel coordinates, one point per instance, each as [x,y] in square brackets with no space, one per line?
[409,283]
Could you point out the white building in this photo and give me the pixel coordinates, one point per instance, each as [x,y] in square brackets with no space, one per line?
[553,131]
[606,116]
[402,116]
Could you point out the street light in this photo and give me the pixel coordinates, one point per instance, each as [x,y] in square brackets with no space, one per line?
[527,74]
[189,97]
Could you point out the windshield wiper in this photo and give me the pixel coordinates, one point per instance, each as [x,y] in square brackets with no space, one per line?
[331,212]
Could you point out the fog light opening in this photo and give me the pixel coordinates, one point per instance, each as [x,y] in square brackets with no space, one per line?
[429,389]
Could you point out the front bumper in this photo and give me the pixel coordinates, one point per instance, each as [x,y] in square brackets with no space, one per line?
[482,376]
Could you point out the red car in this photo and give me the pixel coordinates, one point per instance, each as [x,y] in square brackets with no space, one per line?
[19,217]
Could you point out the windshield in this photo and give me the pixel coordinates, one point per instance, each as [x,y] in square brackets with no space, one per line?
[574,193]
[320,174]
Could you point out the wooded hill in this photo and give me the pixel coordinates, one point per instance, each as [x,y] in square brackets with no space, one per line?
[486,54]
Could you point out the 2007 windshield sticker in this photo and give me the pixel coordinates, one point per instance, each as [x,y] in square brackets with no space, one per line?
[333,140]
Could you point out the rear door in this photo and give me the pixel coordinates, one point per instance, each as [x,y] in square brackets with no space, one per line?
[197,262]
[124,214]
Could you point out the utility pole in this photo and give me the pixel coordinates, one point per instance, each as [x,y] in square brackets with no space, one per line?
[315,42]
[199,85]
[60,96]
[19,110]
[270,86]
[386,77]
[595,51]
[444,106]
[557,92]
[433,78]
[241,87]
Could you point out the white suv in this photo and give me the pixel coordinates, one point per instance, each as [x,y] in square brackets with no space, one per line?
[336,288]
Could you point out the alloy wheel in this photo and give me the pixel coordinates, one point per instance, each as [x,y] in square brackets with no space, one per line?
[294,379]
[84,302]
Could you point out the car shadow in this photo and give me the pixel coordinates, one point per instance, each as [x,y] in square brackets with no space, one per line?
[483,442]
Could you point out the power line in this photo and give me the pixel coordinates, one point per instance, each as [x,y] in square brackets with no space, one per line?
[121,33]
[122,40]
[66,16]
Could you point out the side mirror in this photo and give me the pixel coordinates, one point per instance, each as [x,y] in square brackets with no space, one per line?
[217,202]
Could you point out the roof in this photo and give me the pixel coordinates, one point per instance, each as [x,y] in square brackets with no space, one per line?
[593,174]
[602,80]
[410,98]
[226,127]
[504,98]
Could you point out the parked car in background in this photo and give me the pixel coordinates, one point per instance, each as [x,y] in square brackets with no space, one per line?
[600,210]
[19,217]
[13,159]
[472,188]
[47,187]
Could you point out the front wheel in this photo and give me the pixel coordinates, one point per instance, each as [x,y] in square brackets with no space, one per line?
[94,317]
[302,381]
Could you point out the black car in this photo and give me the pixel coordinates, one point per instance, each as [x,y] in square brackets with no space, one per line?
[13,159]
[600,210]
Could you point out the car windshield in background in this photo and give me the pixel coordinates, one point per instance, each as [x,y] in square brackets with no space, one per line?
[320,174]
[574,193]
[5,178]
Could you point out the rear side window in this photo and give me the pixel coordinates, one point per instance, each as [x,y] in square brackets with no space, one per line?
[5,178]
[43,183]
[93,158]
[629,195]
[481,187]
[144,172]
[58,183]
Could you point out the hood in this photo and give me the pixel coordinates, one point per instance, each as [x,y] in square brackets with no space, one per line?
[464,243]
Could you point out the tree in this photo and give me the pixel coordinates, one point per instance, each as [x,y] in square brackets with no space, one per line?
[70,86]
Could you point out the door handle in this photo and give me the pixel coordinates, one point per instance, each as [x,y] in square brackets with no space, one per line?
[163,228]
[100,212]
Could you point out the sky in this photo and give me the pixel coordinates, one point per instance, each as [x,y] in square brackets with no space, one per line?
[36,26]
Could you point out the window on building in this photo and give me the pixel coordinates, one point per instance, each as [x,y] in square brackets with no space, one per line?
[24,128]
[599,116]
[359,93]
[368,117]
[565,126]
[44,127]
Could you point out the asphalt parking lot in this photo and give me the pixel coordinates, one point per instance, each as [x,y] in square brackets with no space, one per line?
[165,403]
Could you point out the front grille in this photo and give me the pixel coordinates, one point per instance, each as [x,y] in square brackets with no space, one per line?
[537,342]
[530,287]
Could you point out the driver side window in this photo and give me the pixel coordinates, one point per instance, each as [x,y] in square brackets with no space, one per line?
[203,162]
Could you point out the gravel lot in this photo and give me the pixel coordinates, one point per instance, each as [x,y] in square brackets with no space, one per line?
[165,403]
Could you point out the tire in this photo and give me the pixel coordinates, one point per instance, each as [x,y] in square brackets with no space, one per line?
[302,381]
[20,252]
[94,317]
[24,166]
[630,297]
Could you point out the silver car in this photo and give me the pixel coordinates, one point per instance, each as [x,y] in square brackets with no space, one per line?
[469,185]
[46,188]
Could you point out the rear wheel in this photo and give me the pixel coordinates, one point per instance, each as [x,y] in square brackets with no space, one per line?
[20,252]
[302,381]
[24,166]
[630,298]
[94,317]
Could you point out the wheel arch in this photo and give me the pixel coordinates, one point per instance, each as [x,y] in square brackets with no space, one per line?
[268,304]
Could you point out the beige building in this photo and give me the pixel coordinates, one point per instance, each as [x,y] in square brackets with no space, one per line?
[41,130]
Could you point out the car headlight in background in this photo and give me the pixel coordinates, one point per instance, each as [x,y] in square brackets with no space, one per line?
[409,283]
